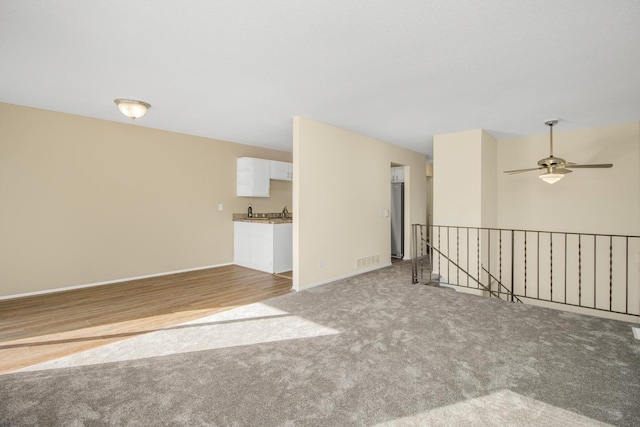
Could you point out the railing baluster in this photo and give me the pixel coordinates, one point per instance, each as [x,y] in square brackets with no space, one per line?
[538,271]
[565,268]
[457,255]
[448,255]
[467,255]
[478,254]
[551,265]
[500,260]
[425,243]
[580,269]
[525,263]
[610,271]
[489,257]
[595,251]
[439,253]
[512,265]
[430,249]
[626,277]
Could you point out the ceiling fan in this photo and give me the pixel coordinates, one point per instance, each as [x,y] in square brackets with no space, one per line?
[556,167]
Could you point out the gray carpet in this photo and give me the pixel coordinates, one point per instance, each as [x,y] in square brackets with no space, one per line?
[370,350]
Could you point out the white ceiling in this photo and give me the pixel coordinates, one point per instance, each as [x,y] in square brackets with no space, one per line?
[396,70]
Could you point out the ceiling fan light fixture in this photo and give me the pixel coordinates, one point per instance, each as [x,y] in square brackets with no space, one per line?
[132,108]
[551,178]
[556,167]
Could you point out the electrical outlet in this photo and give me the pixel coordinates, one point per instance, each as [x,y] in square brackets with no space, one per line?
[220,207]
[321,262]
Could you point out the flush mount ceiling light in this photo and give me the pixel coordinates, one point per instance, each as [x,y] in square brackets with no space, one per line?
[131,108]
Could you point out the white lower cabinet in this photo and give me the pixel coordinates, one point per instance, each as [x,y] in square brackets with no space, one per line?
[262,246]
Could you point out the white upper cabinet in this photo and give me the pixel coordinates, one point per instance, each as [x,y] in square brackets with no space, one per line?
[397,174]
[253,177]
[282,171]
[254,174]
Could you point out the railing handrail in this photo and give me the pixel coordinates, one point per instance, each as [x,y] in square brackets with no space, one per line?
[484,287]
[531,231]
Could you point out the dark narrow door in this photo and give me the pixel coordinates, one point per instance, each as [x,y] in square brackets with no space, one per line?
[397,220]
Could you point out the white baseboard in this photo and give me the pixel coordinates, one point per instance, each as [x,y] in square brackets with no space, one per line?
[346,276]
[108,282]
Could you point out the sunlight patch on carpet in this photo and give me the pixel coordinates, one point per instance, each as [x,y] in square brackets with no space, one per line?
[246,325]
[501,408]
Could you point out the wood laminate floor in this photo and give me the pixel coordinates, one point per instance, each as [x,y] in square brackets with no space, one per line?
[40,328]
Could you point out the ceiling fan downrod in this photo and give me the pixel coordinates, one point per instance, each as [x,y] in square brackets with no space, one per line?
[551,124]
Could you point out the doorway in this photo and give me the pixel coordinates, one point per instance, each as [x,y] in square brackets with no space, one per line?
[397,202]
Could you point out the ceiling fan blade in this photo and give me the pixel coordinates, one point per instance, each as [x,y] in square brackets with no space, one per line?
[524,170]
[602,165]
[562,171]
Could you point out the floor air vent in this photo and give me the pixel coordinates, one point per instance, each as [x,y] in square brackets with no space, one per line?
[367,261]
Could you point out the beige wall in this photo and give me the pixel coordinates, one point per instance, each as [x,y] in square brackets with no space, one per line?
[86,200]
[465,194]
[587,200]
[341,188]
[489,178]
[464,187]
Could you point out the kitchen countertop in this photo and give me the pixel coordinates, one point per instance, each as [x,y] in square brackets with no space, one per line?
[264,218]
